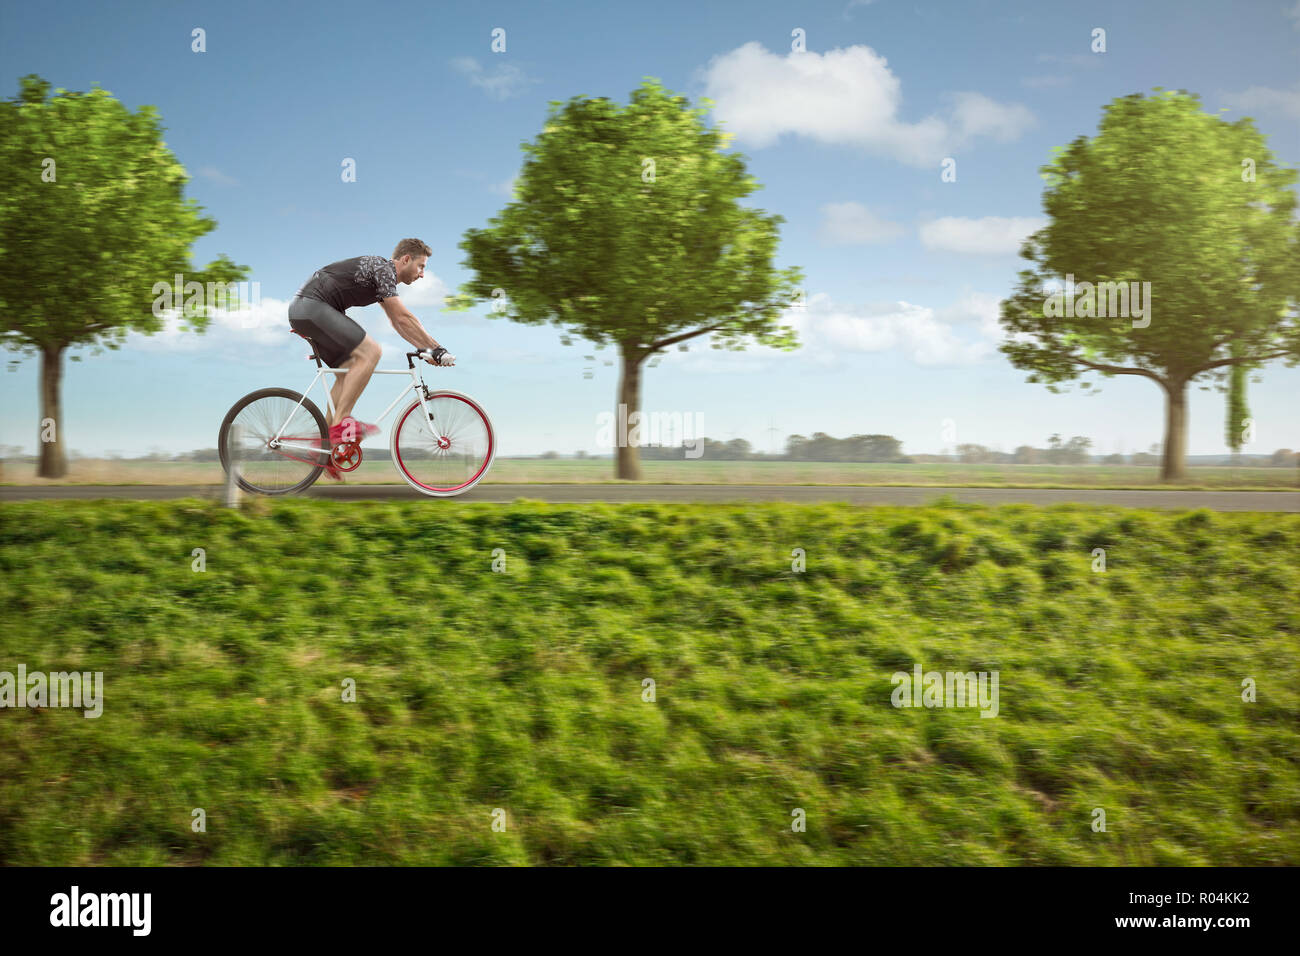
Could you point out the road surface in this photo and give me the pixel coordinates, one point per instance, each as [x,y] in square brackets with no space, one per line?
[853,494]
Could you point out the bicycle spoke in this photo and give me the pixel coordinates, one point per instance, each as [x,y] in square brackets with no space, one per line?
[463,453]
[271,470]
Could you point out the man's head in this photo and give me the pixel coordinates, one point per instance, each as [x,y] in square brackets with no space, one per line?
[409,257]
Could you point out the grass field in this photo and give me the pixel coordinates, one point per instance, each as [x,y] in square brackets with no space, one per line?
[522,470]
[521,690]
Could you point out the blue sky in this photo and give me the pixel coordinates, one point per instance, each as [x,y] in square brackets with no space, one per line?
[903,272]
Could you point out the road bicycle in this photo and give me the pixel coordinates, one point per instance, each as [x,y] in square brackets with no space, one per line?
[442,442]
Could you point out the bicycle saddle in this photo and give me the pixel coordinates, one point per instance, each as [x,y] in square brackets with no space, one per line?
[315,349]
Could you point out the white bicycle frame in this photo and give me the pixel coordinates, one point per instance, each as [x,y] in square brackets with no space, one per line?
[417,385]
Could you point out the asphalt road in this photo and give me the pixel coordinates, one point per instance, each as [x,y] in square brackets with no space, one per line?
[853,494]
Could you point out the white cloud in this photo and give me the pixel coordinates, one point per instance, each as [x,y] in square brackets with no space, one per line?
[426,291]
[989,236]
[849,223]
[978,308]
[1266,99]
[914,330]
[976,115]
[844,97]
[502,82]
[1294,14]
[830,333]
[230,333]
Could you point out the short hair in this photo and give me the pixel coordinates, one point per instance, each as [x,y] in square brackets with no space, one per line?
[412,248]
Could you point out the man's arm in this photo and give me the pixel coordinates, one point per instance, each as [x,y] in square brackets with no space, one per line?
[406,324]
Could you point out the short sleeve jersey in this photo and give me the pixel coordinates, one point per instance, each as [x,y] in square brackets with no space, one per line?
[363,280]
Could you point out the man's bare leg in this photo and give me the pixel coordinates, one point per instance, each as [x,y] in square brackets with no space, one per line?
[337,391]
[348,388]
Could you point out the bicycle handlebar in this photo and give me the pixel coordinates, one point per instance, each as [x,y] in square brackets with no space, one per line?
[439,356]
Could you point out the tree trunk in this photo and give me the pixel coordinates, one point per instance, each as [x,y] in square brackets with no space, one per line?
[1237,410]
[1175,458]
[54,459]
[627,458]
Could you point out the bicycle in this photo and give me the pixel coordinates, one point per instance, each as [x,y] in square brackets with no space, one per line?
[442,443]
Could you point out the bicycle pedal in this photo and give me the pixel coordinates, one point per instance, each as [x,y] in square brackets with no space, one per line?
[346,455]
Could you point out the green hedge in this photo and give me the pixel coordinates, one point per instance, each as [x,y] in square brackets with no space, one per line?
[522,690]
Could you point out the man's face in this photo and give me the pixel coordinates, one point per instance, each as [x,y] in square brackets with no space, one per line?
[408,269]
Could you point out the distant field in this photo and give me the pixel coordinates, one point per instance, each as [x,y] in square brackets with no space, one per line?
[512,471]
[521,688]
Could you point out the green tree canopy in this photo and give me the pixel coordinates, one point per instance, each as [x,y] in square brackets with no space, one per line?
[626,230]
[92,215]
[1192,204]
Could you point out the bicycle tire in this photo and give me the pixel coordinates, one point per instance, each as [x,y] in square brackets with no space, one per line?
[460,487]
[250,398]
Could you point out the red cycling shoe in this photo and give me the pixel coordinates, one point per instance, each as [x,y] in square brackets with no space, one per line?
[360,430]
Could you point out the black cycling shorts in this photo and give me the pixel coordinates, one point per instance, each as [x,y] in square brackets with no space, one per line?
[336,336]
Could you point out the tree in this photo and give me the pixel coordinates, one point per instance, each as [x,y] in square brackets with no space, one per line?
[879,448]
[821,447]
[1168,195]
[738,449]
[626,230]
[824,447]
[91,217]
[1076,450]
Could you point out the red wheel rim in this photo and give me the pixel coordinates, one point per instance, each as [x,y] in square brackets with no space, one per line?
[487,458]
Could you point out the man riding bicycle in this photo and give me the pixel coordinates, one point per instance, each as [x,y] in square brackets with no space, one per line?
[318,312]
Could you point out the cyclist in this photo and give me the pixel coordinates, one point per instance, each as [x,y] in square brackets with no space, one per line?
[318,312]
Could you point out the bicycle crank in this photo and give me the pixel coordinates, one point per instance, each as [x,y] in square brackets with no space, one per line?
[346,455]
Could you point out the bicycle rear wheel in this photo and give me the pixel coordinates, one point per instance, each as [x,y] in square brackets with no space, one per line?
[290,467]
[448,456]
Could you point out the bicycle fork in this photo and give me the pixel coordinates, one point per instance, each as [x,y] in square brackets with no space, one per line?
[422,396]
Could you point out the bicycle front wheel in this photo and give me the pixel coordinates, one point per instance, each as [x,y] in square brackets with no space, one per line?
[267,467]
[449,455]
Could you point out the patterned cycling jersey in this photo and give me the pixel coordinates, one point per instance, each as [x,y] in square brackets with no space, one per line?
[362,280]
